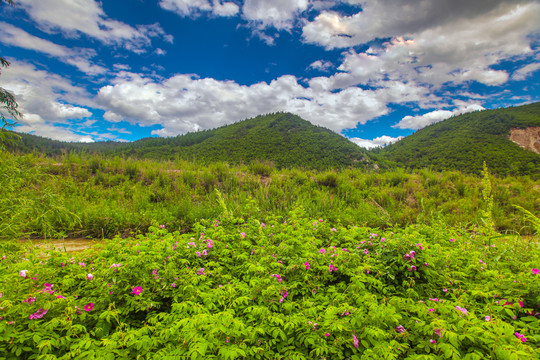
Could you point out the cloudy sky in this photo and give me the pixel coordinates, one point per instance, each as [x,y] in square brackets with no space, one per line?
[88,70]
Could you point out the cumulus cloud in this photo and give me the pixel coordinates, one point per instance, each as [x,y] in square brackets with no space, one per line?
[185,103]
[421,121]
[321,65]
[277,13]
[46,100]
[195,7]
[80,58]
[377,142]
[87,17]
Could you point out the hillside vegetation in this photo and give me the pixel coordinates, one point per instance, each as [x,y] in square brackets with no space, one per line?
[283,139]
[464,142]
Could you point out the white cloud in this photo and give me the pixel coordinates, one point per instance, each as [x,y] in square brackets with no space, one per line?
[429,44]
[421,121]
[80,58]
[186,103]
[377,142]
[321,65]
[46,99]
[280,14]
[73,18]
[195,7]
[525,71]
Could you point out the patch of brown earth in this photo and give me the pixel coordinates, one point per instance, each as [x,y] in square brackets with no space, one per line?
[527,138]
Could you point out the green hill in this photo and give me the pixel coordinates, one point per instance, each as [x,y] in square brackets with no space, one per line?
[464,142]
[282,138]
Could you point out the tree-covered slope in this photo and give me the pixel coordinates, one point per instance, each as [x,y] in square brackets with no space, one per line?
[464,142]
[282,138]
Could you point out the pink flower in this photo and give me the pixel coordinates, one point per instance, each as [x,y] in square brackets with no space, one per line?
[412,268]
[278,277]
[210,244]
[334,230]
[426,264]
[82,264]
[521,337]
[88,307]
[326,334]
[434,299]
[89,277]
[242,235]
[137,290]
[60,297]
[452,240]
[173,285]
[535,271]
[431,310]
[332,267]
[463,310]
[198,253]
[420,246]
[366,251]
[438,332]
[355,341]
[306,264]
[445,290]
[204,252]
[488,318]
[283,296]
[400,329]
[38,314]
[201,272]
[432,341]
[23,273]
[322,251]
[30,300]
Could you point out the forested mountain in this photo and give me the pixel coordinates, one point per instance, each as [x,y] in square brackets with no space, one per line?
[464,142]
[282,138]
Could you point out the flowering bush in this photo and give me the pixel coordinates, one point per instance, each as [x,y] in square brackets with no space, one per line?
[294,289]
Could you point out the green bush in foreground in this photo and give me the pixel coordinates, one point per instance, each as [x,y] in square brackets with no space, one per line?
[294,289]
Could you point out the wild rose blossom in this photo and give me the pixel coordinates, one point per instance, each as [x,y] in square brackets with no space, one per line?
[38,314]
[89,277]
[278,277]
[432,341]
[137,290]
[322,251]
[242,235]
[400,329]
[201,272]
[88,307]
[332,267]
[23,273]
[366,251]
[355,341]
[306,264]
[463,310]
[535,271]
[521,337]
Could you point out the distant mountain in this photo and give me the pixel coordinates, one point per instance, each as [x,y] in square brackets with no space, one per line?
[464,142]
[282,138]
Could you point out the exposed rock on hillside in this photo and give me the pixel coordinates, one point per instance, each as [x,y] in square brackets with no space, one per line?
[527,138]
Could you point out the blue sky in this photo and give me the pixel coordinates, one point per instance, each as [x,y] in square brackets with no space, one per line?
[373,71]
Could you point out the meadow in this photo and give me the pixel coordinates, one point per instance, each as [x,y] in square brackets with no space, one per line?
[251,261]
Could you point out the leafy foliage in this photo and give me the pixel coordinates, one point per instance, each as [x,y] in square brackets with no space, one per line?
[464,142]
[288,288]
